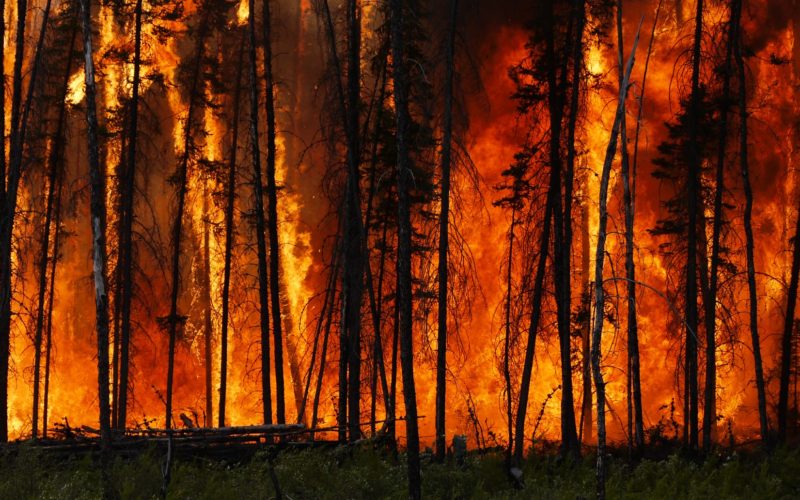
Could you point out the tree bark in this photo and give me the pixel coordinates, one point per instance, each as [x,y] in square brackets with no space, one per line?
[533,326]
[230,197]
[633,340]
[693,206]
[174,320]
[736,36]
[709,410]
[9,207]
[404,289]
[126,224]
[98,216]
[272,214]
[786,338]
[444,220]
[258,195]
[507,337]
[599,295]
[562,236]
[45,246]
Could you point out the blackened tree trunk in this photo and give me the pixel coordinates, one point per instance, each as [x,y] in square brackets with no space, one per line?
[8,210]
[208,329]
[404,297]
[272,214]
[579,19]
[174,321]
[692,239]
[55,166]
[5,250]
[599,295]
[44,249]
[444,222]
[786,338]
[127,190]
[633,340]
[230,198]
[562,233]
[258,197]
[709,408]
[48,345]
[634,403]
[354,253]
[533,328]
[327,304]
[98,216]
[736,37]
[507,334]
[350,332]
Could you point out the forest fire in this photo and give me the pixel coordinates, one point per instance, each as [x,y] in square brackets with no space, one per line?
[261,194]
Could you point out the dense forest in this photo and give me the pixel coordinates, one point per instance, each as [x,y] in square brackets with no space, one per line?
[416,223]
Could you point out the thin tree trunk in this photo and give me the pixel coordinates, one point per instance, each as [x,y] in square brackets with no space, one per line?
[258,195]
[633,337]
[5,250]
[444,220]
[533,327]
[324,354]
[229,229]
[127,216]
[786,338]
[354,255]
[55,162]
[49,332]
[507,336]
[562,240]
[392,413]
[586,328]
[350,331]
[692,237]
[9,207]
[709,411]
[736,36]
[272,213]
[599,305]
[378,365]
[404,276]
[208,329]
[98,215]
[174,319]
[327,304]
[44,249]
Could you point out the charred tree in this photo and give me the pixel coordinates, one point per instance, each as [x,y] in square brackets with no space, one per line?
[736,40]
[537,295]
[175,321]
[230,199]
[599,292]
[444,222]
[126,215]
[634,409]
[8,208]
[44,248]
[786,337]
[272,213]
[354,261]
[561,182]
[258,197]
[404,275]
[98,216]
[693,174]
[710,301]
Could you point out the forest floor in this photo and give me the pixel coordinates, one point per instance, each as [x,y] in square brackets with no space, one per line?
[346,472]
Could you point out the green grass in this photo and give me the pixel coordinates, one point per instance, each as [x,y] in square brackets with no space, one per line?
[368,474]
